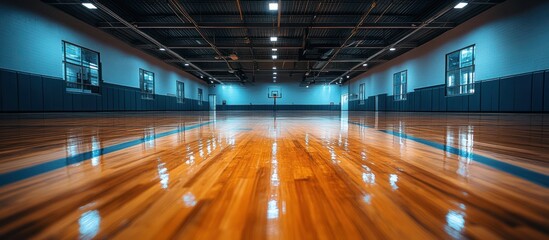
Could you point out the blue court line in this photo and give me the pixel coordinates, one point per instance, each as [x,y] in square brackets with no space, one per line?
[21,174]
[529,175]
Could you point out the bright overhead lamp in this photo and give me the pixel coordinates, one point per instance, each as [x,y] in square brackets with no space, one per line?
[274,73]
[461,5]
[274,77]
[273,6]
[274,49]
[162,49]
[392,49]
[275,56]
[274,68]
[347,76]
[201,76]
[274,39]
[365,64]
[186,64]
[89,5]
[307,86]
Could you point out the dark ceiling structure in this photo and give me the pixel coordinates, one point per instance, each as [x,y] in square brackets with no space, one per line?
[317,41]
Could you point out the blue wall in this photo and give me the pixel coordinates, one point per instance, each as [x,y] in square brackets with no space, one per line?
[519,93]
[24,92]
[253,96]
[511,39]
[31,43]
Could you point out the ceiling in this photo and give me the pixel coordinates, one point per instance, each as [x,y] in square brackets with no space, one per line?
[319,41]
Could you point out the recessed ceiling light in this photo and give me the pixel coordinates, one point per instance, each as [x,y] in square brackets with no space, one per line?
[347,76]
[274,39]
[274,77]
[365,64]
[274,67]
[274,73]
[89,5]
[211,81]
[210,78]
[186,64]
[274,49]
[461,5]
[273,6]
[275,56]
[162,49]
[307,86]
[201,76]
[392,49]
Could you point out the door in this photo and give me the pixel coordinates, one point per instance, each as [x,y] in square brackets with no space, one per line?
[212,99]
[344,102]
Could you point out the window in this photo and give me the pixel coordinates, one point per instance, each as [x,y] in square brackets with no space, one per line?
[460,72]
[200,96]
[361,95]
[180,92]
[146,81]
[399,85]
[81,68]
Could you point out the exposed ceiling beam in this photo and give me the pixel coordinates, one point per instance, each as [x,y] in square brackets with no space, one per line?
[278,70]
[278,47]
[281,40]
[182,13]
[261,60]
[353,33]
[148,37]
[400,25]
[425,23]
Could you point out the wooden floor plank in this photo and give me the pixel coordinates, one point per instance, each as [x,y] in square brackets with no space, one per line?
[266,175]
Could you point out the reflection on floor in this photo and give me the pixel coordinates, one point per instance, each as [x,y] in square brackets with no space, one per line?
[292,175]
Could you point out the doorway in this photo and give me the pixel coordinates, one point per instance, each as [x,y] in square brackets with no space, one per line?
[344,102]
[212,99]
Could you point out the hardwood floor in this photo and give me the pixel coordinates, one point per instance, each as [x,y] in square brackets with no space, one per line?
[265,175]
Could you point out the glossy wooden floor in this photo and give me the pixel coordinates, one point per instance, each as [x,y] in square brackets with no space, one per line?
[260,175]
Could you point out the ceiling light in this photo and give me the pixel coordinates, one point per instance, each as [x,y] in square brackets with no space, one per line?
[210,78]
[461,5]
[274,39]
[274,49]
[211,81]
[347,76]
[201,76]
[392,49]
[274,77]
[274,67]
[307,86]
[186,64]
[274,73]
[162,49]
[273,6]
[89,5]
[365,64]
[275,56]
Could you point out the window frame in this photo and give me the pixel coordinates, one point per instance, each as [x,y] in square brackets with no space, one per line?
[470,86]
[145,94]
[402,95]
[81,87]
